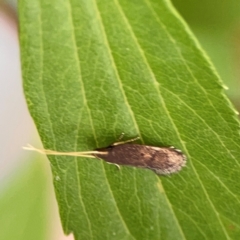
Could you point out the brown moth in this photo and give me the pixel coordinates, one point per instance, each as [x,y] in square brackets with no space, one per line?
[162,160]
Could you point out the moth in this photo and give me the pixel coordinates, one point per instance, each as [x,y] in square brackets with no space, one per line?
[162,160]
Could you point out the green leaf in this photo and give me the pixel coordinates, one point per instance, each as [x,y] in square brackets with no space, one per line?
[94,69]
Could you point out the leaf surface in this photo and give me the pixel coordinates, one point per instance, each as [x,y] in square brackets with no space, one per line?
[94,69]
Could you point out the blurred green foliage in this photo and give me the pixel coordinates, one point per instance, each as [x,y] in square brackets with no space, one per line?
[23,206]
[216,24]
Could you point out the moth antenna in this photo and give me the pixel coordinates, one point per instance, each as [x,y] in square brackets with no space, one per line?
[89,154]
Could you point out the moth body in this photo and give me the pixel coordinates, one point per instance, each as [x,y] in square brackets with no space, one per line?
[162,160]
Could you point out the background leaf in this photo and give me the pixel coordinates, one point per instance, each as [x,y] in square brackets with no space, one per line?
[23,205]
[218,33]
[94,69]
